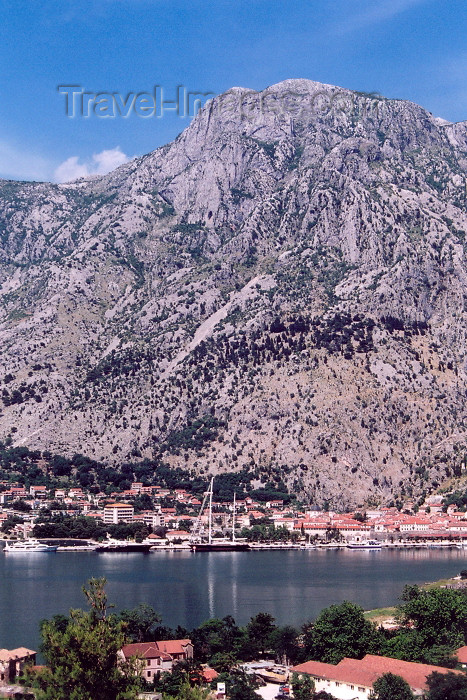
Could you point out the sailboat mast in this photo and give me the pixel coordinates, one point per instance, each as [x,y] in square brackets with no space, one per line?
[210,511]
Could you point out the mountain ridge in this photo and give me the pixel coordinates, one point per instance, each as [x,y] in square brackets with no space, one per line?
[302,257]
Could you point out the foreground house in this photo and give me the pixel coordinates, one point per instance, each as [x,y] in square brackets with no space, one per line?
[352,679]
[158,657]
[12,663]
[461,654]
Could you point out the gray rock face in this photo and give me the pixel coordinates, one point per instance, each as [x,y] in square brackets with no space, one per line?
[282,289]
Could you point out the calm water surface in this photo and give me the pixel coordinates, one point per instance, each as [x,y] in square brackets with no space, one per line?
[187,588]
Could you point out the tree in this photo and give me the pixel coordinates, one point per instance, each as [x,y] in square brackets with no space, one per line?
[285,644]
[21,506]
[447,686]
[140,623]
[360,517]
[341,630]
[184,674]
[391,687]
[217,637]
[188,692]
[239,685]
[259,631]
[303,687]
[10,523]
[82,654]
[433,625]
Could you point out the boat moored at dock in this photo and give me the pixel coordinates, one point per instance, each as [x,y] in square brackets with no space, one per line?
[28,546]
[201,543]
[365,544]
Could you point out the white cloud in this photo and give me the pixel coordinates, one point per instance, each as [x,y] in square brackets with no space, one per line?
[18,164]
[70,169]
[378,12]
[100,164]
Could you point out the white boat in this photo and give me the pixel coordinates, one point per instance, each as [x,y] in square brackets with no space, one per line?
[29,545]
[365,544]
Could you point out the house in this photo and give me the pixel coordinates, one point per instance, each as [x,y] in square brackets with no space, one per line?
[38,491]
[158,657]
[288,523]
[12,663]
[461,654]
[414,525]
[153,518]
[154,540]
[76,493]
[352,679]
[175,535]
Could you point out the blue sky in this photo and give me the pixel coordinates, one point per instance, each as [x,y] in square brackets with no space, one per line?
[412,49]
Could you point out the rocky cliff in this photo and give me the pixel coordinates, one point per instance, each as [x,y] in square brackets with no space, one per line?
[281,289]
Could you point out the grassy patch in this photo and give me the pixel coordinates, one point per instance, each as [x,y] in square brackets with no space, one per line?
[439,584]
[379,614]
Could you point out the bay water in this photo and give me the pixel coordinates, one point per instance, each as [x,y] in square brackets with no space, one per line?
[187,588]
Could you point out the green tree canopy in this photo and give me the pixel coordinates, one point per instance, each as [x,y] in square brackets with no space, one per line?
[341,630]
[82,654]
[447,686]
[433,625]
[239,685]
[391,687]
[140,623]
[284,641]
[303,687]
[189,692]
[216,639]
[259,632]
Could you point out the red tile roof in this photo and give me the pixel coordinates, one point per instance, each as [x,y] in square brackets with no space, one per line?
[366,671]
[209,674]
[174,646]
[145,650]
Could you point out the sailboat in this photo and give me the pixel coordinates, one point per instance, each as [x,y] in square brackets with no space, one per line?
[199,542]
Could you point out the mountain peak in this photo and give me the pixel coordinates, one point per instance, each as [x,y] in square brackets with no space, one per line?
[281,289]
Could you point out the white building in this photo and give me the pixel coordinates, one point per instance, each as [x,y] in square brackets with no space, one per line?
[353,679]
[118,513]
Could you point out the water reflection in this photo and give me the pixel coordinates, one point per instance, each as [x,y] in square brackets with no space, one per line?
[211,562]
[187,588]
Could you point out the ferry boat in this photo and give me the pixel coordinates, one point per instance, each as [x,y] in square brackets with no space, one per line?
[198,543]
[364,544]
[29,545]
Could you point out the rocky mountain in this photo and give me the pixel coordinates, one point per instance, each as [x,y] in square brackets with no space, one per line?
[282,289]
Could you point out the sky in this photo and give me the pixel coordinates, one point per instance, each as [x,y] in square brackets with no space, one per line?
[410,49]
